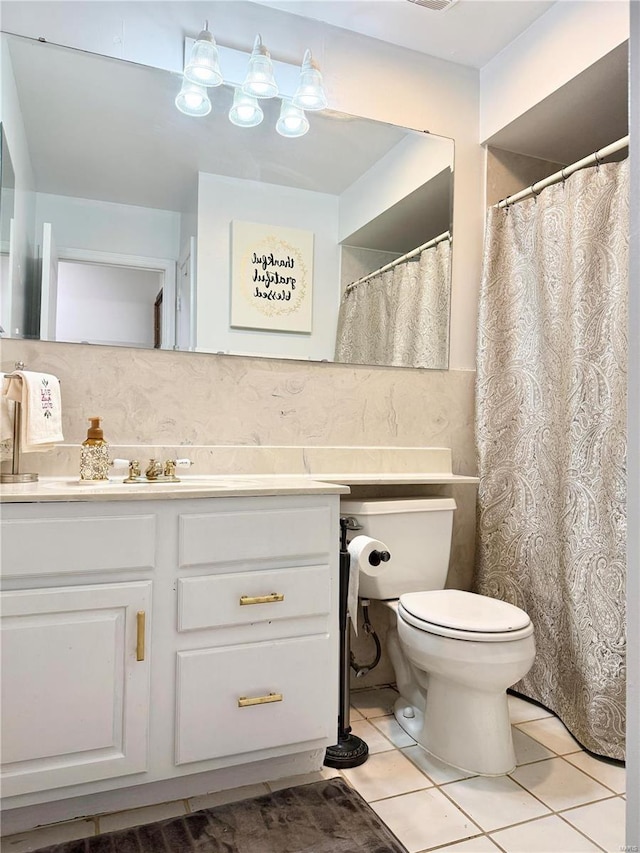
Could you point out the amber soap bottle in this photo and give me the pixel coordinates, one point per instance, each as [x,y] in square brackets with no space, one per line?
[94,456]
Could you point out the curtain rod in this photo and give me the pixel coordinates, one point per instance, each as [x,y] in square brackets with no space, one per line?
[439,239]
[589,160]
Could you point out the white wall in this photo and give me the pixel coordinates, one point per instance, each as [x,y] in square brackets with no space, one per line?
[560,44]
[125,229]
[633,485]
[222,200]
[409,165]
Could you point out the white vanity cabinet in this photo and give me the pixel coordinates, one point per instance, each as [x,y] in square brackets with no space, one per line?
[146,640]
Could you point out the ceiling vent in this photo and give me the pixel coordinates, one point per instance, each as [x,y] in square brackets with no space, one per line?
[434,5]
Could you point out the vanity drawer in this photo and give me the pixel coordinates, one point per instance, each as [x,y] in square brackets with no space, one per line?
[242,598]
[224,537]
[58,545]
[291,683]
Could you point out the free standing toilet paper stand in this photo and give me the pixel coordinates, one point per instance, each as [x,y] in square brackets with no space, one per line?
[350,750]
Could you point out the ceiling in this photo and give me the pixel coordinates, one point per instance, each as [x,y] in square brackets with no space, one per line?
[450,34]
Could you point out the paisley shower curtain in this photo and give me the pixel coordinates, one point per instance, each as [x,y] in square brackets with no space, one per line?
[399,317]
[551,436]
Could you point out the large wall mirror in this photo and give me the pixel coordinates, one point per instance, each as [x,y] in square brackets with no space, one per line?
[136,225]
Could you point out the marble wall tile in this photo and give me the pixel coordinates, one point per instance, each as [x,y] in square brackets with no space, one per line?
[163,398]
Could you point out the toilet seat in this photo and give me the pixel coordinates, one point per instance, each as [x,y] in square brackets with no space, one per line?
[464,616]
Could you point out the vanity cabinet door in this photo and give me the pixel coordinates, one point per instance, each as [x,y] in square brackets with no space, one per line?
[75,684]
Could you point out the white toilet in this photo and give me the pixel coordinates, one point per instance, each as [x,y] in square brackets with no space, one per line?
[454,653]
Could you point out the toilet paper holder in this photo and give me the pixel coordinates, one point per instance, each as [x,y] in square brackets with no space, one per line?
[377,557]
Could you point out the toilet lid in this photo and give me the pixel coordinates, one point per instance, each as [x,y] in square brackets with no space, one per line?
[464,611]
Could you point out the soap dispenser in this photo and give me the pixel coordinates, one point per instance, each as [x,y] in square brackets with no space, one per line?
[94,456]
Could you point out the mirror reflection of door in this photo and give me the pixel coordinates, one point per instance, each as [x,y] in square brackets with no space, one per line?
[102,303]
[157,321]
[186,297]
[48,285]
[7,203]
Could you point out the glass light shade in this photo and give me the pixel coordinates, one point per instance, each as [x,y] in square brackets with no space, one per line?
[260,82]
[192,100]
[310,94]
[203,67]
[245,111]
[292,121]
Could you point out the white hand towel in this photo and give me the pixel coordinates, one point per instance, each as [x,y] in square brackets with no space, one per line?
[6,414]
[39,394]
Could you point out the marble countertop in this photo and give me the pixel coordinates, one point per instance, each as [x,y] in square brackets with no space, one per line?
[212,486]
[70,489]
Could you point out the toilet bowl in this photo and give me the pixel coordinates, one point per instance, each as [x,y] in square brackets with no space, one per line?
[454,653]
[458,709]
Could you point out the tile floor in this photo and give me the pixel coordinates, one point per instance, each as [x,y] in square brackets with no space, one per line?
[559,799]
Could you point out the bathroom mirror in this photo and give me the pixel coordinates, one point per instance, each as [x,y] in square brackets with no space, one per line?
[7,206]
[145,225]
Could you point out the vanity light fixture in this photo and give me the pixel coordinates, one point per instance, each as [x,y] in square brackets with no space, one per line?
[203,67]
[300,88]
[260,82]
[192,100]
[310,94]
[292,121]
[245,110]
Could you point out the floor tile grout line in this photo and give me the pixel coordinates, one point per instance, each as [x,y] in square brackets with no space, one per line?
[490,835]
[586,773]
[395,746]
[449,843]
[551,811]
[575,805]
[584,834]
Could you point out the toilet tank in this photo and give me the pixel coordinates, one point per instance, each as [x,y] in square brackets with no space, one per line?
[417,533]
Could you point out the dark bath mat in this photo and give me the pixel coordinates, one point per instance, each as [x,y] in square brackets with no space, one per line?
[324,817]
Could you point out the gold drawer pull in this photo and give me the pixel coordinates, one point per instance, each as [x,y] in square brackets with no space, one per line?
[261,599]
[245,702]
[140,618]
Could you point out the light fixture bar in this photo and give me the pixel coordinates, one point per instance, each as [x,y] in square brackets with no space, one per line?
[234,68]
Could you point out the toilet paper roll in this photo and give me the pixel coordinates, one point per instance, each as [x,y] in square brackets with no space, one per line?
[360,550]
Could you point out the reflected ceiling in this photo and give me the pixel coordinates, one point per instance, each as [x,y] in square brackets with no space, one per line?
[145,137]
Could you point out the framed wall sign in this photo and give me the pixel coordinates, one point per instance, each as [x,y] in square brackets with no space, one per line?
[271,277]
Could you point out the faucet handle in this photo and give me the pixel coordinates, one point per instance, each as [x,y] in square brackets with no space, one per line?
[134,471]
[183,463]
[120,463]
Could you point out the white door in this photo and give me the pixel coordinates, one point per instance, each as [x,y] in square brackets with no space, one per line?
[49,285]
[186,298]
[75,696]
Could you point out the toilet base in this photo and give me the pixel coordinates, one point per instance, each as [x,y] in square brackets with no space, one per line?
[479,742]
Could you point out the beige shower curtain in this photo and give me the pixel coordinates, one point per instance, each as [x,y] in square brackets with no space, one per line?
[399,317]
[551,435]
